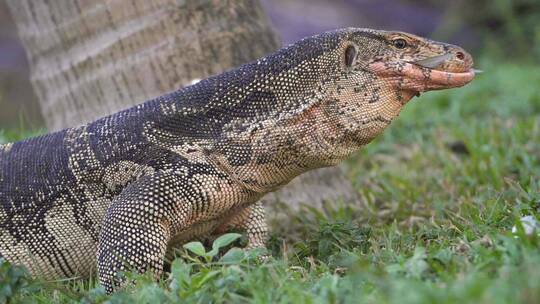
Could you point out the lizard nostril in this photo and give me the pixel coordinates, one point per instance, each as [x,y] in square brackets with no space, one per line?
[460,55]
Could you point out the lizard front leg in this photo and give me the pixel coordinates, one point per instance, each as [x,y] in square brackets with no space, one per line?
[138,226]
[157,209]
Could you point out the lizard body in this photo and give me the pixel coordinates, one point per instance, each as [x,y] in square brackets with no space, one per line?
[121,192]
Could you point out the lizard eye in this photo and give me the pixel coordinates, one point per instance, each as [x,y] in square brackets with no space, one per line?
[350,55]
[399,43]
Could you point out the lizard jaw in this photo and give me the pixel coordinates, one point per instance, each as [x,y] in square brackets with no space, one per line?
[413,77]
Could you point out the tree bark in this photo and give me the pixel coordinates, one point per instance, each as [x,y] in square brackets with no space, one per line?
[92,58]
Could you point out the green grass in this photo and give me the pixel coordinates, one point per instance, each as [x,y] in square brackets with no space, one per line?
[442,189]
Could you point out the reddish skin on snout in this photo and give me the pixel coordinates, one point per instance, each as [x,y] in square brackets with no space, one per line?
[420,79]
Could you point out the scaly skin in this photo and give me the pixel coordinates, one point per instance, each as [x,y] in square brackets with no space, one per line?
[121,192]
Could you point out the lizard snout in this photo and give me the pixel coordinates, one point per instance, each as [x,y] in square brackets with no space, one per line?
[460,61]
[454,60]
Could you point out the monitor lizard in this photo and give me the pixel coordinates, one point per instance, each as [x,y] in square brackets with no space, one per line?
[121,192]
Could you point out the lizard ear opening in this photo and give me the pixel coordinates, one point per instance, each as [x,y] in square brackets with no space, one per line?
[350,55]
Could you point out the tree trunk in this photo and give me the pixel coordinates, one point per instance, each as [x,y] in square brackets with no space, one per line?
[92,58]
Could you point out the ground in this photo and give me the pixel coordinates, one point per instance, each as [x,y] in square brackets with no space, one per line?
[442,189]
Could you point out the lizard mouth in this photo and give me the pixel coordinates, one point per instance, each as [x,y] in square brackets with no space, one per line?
[434,73]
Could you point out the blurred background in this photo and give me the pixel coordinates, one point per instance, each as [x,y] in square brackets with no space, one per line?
[499,29]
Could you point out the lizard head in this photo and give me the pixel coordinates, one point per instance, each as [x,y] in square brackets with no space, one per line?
[367,78]
[403,63]
[414,64]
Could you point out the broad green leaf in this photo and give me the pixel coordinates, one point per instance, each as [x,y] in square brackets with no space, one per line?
[225,240]
[196,247]
[202,278]
[233,256]
[180,271]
